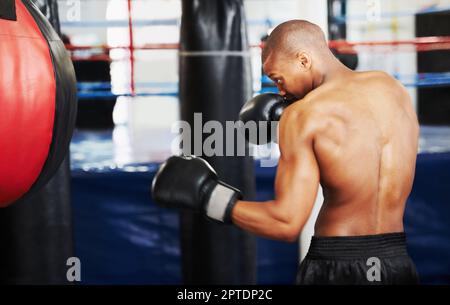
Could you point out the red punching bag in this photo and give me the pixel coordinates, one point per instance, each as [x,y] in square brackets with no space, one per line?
[37,100]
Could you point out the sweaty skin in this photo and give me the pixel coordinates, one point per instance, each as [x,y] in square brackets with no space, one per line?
[356,134]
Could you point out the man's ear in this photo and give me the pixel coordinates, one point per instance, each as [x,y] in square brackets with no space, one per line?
[304,60]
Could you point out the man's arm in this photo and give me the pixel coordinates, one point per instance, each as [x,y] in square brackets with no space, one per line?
[296,184]
[189,182]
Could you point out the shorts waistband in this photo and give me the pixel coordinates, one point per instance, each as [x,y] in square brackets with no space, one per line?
[379,245]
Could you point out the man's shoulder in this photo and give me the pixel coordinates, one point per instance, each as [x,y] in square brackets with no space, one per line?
[300,109]
[319,113]
[383,87]
[375,74]
[306,115]
[378,78]
[312,107]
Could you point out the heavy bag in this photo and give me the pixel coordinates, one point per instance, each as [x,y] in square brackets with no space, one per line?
[37,100]
[215,80]
[50,10]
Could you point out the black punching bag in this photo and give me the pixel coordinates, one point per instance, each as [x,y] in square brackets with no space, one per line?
[50,10]
[215,80]
[38,109]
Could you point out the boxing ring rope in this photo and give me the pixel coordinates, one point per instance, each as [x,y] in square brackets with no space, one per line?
[131,47]
[344,47]
[92,90]
[421,44]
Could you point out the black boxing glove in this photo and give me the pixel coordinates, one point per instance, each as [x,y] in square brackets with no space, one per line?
[189,182]
[264,109]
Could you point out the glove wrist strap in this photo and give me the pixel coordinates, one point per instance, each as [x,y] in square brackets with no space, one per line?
[221,202]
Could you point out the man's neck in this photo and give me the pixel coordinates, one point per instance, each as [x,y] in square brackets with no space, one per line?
[333,70]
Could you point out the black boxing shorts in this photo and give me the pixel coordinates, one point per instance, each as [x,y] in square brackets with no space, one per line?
[358,260]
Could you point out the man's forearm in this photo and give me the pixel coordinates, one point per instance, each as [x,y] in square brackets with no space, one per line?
[264,219]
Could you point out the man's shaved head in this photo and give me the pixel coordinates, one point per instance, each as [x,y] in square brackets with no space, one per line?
[295,35]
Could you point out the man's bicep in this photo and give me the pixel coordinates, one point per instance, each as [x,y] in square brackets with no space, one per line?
[298,171]
[297,177]
[297,180]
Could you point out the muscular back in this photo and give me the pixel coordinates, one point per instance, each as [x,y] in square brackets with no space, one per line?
[365,144]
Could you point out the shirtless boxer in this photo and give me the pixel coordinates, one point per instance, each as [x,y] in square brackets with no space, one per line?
[355,133]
